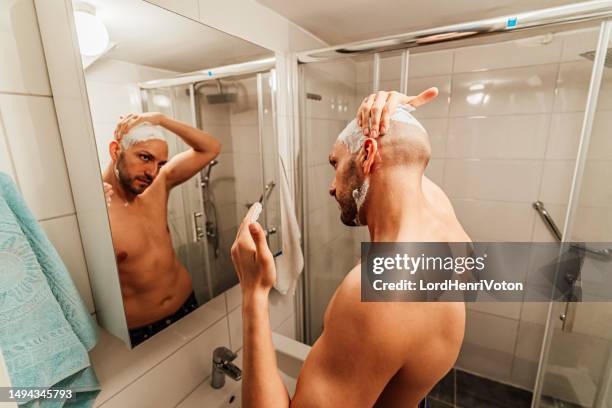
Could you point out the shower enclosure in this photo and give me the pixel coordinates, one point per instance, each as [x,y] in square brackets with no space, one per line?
[236,104]
[523,117]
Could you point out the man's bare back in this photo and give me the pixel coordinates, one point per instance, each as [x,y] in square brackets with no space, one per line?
[406,346]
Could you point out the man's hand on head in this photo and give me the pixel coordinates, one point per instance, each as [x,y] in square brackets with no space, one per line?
[374,114]
[126,123]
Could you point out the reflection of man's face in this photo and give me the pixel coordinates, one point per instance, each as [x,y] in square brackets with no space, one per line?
[138,165]
[348,178]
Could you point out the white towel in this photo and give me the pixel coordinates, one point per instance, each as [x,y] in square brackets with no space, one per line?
[289,265]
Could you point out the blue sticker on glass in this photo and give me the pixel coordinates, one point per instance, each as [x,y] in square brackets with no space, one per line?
[209,73]
[511,22]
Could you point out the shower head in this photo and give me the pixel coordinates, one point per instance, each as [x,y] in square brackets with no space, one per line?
[208,170]
[221,97]
[590,55]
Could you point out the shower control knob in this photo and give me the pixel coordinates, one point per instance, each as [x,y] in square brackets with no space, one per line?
[562,317]
[271,230]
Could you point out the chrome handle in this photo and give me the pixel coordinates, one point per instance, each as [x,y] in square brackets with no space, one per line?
[550,223]
[267,189]
[198,232]
[271,230]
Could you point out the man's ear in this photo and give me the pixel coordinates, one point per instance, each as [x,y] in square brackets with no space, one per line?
[114,149]
[370,150]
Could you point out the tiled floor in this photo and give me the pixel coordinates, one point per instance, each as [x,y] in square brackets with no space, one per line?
[459,389]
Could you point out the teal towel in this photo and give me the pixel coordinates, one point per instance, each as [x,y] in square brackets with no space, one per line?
[45,329]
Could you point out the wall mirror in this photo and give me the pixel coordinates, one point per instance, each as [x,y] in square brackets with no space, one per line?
[173,250]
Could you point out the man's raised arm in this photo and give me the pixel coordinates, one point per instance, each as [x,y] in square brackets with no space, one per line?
[183,166]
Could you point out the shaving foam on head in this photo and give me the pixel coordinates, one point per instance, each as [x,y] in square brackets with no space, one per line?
[141,133]
[352,135]
[256,212]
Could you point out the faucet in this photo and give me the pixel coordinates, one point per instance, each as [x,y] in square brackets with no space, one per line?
[222,366]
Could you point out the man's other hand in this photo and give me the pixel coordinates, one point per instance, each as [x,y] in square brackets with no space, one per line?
[252,258]
[375,111]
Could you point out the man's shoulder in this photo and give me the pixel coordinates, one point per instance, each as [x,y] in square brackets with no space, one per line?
[408,321]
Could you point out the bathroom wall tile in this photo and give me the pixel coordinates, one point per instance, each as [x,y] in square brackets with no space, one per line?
[501,332]
[477,359]
[328,227]
[437,129]
[515,90]
[564,136]
[493,179]
[189,365]
[439,107]
[593,224]
[24,68]
[235,328]
[574,367]
[321,134]
[363,71]
[509,310]
[557,178]
[537,50]
[6,161]
[233,297]
[430,63]
[593,319]
[64,234]
[33,136]
[435,171]
[576,42]
[108,102]
[319,179]
[127,366]
[287,328]
[495,220]
[498,137]
[281,307]
[600,144]
[573,87]
[596,190]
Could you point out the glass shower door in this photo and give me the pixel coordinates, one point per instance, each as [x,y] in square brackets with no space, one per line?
[576,365]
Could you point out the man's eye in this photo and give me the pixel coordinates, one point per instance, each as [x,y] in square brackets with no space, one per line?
[145,157]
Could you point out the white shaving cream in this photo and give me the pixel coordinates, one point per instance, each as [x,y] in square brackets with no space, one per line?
[352,135]
[141,133]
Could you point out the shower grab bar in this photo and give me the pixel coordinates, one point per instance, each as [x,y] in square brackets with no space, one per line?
[605,254]
[264,195]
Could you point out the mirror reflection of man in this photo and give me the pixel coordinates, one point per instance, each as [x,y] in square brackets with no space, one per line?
[156,288]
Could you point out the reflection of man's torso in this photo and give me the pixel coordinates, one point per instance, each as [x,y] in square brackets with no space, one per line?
[154,284]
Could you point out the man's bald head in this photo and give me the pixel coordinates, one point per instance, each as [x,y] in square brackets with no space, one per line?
[355,157]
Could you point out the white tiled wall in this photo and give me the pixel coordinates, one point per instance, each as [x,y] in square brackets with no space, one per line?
[30,147]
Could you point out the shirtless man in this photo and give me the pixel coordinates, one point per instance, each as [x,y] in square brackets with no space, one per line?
[156,288]
[369,354]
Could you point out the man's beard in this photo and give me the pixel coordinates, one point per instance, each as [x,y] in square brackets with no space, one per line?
[127,181]
[352,201]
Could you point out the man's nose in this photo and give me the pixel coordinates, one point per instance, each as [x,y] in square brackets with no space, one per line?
[151,171]
[332,190]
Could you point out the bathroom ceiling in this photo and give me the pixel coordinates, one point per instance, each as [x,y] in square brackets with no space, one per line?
[342,21]
[149,35]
